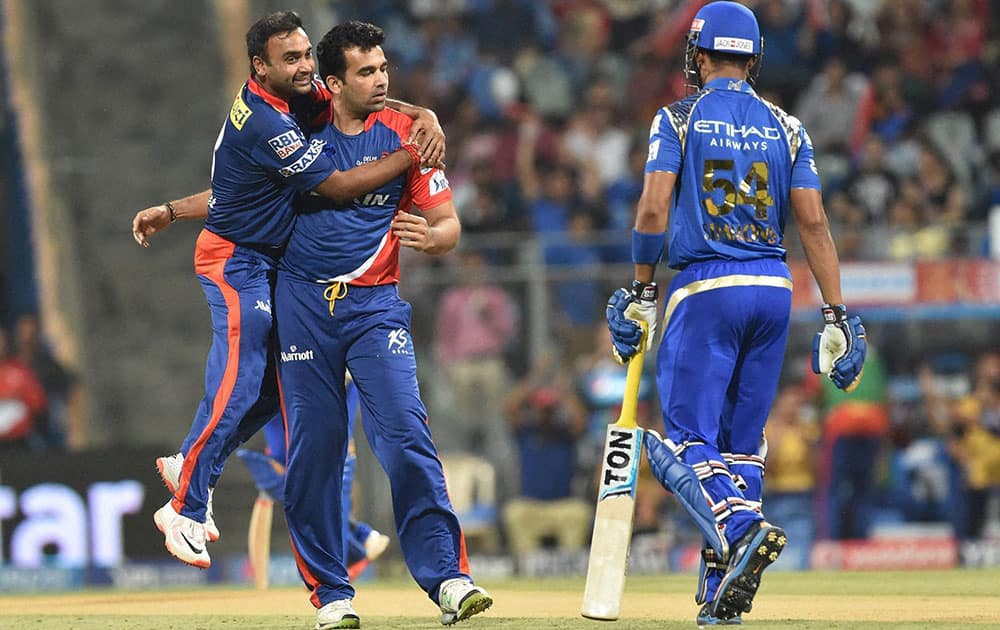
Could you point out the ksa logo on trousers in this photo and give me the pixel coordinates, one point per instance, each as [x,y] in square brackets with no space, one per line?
[399,342]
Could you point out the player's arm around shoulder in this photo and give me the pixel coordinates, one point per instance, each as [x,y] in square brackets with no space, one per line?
[342,186]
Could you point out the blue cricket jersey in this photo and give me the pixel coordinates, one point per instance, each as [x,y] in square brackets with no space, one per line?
[262,160]
[354,243]
[737,157]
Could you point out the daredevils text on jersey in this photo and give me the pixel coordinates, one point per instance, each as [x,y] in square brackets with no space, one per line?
[354,243]
[737,157]
[263,158]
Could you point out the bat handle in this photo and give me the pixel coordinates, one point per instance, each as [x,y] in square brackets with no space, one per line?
[633,376]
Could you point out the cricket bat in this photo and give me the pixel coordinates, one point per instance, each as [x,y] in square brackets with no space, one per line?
[602,595]
[259,539]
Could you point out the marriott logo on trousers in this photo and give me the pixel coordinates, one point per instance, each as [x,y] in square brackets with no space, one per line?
[294,354]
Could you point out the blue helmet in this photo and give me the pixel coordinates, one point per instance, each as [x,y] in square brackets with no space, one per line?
[725,27]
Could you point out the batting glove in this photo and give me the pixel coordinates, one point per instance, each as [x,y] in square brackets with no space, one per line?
[625,308]
[839,351]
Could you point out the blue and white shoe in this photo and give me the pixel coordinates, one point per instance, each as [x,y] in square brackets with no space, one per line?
[750,555]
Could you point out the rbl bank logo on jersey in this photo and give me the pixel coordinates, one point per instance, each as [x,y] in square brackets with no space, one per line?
[285,144]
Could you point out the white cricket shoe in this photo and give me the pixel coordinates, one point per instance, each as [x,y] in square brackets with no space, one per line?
[459,599]
[375,545]
[169,468]
[337,614]
[170,472]
[183,537]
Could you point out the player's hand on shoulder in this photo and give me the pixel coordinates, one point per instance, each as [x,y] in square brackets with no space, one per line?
[148,222]
[626,309]
[427,133]
[839,350]
[413,231]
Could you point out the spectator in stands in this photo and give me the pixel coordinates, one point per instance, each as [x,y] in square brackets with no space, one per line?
[593,142]
[849,226]
[621,197]
[829,106]
[22,400]
[548,421]
[782,27]
[840,34]
[974,445]
[871,184]
[55,427]
[891,114]
[546,82]
[855,427]
[792,441]
[476,322]
[574,258]
[989,195]
[959,39]
[940,188]
[550,192]
[910,236]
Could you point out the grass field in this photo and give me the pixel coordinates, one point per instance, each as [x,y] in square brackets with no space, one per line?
[916,599]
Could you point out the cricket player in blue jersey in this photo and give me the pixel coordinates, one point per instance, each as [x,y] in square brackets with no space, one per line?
[724,169]
[338,308]
[265,155]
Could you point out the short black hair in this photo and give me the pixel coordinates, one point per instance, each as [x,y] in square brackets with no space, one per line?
[267,27]
[353,34]
[727,57]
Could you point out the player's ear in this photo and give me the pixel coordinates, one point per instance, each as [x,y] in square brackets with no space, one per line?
[332,83]
[259,66]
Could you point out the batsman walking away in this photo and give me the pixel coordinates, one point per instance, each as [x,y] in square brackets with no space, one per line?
[724,169]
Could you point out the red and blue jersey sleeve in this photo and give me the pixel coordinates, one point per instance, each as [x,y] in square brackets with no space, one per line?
[427,187]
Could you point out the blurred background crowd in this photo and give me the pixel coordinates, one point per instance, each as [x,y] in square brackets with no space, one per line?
[547,107]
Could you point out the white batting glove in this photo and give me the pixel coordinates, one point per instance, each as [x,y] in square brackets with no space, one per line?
[626,308]
[643,309]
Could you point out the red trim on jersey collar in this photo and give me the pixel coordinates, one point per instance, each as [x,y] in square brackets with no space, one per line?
[276,102]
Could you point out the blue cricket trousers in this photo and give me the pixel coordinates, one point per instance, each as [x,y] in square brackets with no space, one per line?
[724,334]
[240,388]
[321,331]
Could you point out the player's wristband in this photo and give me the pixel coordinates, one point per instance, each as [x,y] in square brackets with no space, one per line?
[173,213]
[834,313]
[645,291]
[412,150]
[647,249]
